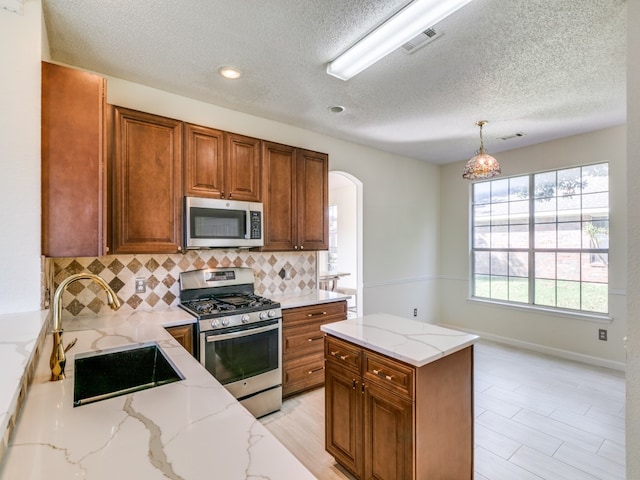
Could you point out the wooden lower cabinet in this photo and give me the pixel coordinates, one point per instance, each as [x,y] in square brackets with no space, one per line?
[184,335]
[302,344]
[387,420]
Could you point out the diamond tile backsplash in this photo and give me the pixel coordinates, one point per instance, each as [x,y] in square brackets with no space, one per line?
[161,272]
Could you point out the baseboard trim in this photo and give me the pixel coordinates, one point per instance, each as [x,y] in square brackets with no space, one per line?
[557,352]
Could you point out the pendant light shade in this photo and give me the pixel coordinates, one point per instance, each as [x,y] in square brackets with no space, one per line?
[482,165]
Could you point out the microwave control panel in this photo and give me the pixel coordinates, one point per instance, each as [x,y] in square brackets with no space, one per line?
[256,225]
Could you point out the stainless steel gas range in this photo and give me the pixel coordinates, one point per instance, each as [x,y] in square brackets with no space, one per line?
[239,333]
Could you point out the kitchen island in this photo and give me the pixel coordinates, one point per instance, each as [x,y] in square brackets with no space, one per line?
[399,398]
[190,429]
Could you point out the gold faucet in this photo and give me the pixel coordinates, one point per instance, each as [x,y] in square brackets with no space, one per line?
[58,358]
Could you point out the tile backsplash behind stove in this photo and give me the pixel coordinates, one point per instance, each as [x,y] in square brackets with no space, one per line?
[161,273]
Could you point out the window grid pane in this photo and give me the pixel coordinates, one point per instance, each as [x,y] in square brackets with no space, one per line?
[562,226]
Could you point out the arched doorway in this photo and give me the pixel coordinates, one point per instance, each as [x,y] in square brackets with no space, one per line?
[345,238]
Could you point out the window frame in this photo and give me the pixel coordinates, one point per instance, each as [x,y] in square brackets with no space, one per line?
[531,249]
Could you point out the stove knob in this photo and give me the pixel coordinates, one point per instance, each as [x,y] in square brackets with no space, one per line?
[225,322]
[272,313]
[215,323]
[263,315]
[245,318]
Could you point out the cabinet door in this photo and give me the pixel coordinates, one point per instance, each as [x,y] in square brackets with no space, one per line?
[388,435]
[204,164]
[183,335]
[279,171]
[242,168]
[73,171]
[147,183]
[312,177]
[343,417]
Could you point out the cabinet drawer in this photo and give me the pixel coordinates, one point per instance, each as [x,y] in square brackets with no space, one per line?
[388,373]
[342,353]
[322,313]
[302,340]
[302,374]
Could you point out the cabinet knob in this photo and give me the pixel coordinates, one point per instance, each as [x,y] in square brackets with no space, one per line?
[301,247]
[179,248]
[295,247]
[221,194]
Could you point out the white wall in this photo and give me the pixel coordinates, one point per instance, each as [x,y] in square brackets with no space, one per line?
[633,289]
[20,53]
[562,333]
[346,200]
[400,196]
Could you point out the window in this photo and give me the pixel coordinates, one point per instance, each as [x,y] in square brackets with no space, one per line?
[332,260]
[543,239]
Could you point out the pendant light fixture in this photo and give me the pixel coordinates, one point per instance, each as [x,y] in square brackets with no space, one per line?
[482,165]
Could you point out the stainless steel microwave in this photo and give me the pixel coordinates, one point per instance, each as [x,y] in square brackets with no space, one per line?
[220,223]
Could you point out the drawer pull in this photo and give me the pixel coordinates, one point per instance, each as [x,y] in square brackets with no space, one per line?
[317,314]
[315,338]
[337,354]
[383,375]
[315,370]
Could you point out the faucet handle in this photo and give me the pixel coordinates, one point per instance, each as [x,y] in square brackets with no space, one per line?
[71,344]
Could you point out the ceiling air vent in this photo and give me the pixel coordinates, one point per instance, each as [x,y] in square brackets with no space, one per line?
[509,137]
[420,40]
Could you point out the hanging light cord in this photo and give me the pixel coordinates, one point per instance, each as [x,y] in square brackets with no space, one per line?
[481,124]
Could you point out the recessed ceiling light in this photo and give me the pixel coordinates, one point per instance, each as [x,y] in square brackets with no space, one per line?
[336,109]
[231,73]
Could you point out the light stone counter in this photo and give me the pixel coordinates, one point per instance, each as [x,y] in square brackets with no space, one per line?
[19,337]
[409,341]
[190,429]
[314,297]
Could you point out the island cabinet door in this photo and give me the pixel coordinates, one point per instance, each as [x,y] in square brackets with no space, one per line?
[343,417]
[388,435]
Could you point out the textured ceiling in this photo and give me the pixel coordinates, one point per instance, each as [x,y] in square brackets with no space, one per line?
[545,68]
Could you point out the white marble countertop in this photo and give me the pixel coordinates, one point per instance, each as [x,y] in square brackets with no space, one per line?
[190,429]
[19,333]
[410,341]
[293,300]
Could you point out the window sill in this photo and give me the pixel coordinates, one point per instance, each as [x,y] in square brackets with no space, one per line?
[589,317]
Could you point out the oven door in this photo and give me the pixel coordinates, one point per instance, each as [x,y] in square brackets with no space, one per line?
[247,359]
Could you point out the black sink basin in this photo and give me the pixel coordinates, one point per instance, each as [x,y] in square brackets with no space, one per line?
[118,371]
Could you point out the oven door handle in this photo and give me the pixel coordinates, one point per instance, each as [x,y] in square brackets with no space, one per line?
[241,333]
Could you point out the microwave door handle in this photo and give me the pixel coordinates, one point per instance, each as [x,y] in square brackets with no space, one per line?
[247,226]
[241,333]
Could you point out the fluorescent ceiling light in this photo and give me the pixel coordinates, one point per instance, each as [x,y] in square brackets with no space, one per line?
[396,31]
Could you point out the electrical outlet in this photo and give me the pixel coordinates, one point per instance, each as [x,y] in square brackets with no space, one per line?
[602,334]
[141,285]
[415,312]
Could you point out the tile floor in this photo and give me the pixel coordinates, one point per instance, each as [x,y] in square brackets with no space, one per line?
[537,417]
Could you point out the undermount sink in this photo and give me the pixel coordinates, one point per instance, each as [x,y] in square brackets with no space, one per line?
[121,370]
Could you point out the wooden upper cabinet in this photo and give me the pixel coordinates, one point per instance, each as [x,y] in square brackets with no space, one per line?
[204,161]
[73,171]
[312,179]
[295,186]
[278,176]
[147,182]
[221,164]
[242,168]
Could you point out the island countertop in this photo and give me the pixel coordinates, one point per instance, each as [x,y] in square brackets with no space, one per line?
[410,341]
[191,429]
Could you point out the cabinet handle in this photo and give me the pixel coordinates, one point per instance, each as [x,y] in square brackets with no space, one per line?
[380,374]
[230,195]
[317,314]
[337,354]
[315,338]
[354,383]
[221,194]
[315,370]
